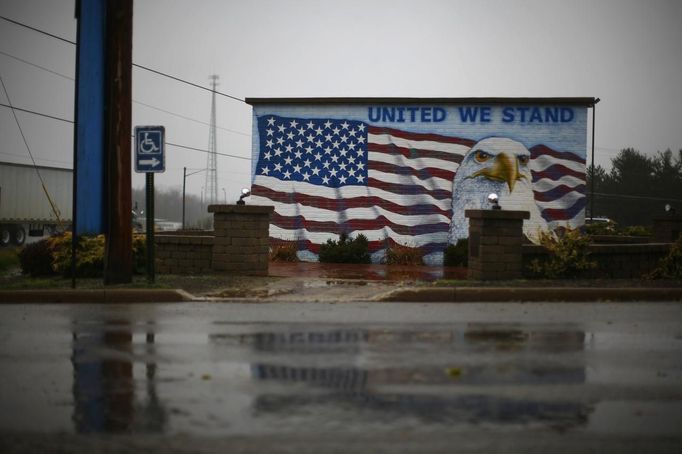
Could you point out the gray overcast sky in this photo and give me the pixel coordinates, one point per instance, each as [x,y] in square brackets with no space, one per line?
[625,52]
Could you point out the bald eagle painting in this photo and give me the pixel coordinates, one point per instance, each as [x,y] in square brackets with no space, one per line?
[494,165]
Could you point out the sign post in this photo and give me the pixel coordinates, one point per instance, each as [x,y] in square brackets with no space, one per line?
[150,159]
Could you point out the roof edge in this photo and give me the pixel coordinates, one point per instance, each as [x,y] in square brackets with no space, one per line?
[575,101]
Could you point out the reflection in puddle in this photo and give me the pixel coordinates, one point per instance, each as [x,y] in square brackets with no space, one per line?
[364,387]
[105,388]
[135,377]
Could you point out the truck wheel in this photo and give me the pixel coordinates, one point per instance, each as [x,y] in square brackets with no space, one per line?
[19,236]
[5,236]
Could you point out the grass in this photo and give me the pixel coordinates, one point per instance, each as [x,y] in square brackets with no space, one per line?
[196,285]
[9,260]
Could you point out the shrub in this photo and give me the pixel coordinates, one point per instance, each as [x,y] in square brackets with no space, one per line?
[670,266]
[636,230]
[9,258]
[139,253]
[600,228]
[89,255]
[568,255]
[35,259]
[457,254]
[345,250]
[284,253]
[397,254]
[53,256]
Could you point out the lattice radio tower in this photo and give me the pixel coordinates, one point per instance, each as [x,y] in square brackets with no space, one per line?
[211,161]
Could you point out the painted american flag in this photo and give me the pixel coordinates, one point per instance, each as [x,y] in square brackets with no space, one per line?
[330,176]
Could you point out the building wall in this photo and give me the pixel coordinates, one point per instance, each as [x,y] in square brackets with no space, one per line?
[406,173]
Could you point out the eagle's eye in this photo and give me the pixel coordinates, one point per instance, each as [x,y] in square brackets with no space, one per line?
[523,159]
[482,156]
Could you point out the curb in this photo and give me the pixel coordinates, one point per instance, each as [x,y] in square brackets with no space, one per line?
[94,296]
[532,294]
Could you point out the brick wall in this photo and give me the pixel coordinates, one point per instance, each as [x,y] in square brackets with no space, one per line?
[495,238]
[615,261]
[182,254]
[667,229]
[241,243]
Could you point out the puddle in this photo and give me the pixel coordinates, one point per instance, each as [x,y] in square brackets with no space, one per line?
[125,375]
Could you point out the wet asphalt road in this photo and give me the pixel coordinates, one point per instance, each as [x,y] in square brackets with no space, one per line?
[350,377]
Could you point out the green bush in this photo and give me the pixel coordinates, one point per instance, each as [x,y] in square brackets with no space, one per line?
[53,256]
[139,253]
[35,259]
[670,266]
[89,255]
[600,228]
[397,254]
[568,255]
[457,254]
[636,230]
[345,250]
[9,258]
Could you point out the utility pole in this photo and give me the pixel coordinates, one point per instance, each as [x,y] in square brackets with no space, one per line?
[118,265]
[211,161]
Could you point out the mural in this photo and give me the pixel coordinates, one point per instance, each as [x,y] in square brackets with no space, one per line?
[406,174]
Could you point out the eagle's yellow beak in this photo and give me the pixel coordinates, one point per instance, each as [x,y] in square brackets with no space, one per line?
[505,168]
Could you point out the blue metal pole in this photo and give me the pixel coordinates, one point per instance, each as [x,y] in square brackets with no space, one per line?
[89,134]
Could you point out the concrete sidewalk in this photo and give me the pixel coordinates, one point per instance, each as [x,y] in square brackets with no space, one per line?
[339,283]
[293,290]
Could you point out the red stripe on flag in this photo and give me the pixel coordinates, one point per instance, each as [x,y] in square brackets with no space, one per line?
[420,136]
[346,203]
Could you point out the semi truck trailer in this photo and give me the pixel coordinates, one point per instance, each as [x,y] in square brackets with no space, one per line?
[26,209]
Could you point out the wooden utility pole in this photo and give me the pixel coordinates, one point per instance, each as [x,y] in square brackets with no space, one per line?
[118,264]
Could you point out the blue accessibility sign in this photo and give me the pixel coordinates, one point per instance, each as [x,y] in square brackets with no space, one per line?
[149,149]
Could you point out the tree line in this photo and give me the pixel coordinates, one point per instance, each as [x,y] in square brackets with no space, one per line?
[168,206]
[637,188]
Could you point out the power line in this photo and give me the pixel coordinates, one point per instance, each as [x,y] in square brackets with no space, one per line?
[55,210]
[146,68]
[641,197]
[186,147]
[38,30]
[189,118]
[184,117]
[39,159]
[188,82]
[36,66]
[206,151]
[13,108]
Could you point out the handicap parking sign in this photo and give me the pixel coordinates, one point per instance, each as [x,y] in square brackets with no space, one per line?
[149,149]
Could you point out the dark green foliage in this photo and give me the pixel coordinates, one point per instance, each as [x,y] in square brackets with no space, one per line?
[53,256]
[345,250]
[636,230]
[9,258]
[670,267]
[568,255]
[600,228]
[457,254]
[35,259]
[636,189]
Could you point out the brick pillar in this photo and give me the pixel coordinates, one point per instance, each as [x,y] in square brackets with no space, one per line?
[241,243]
[667,229]
[495,239]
